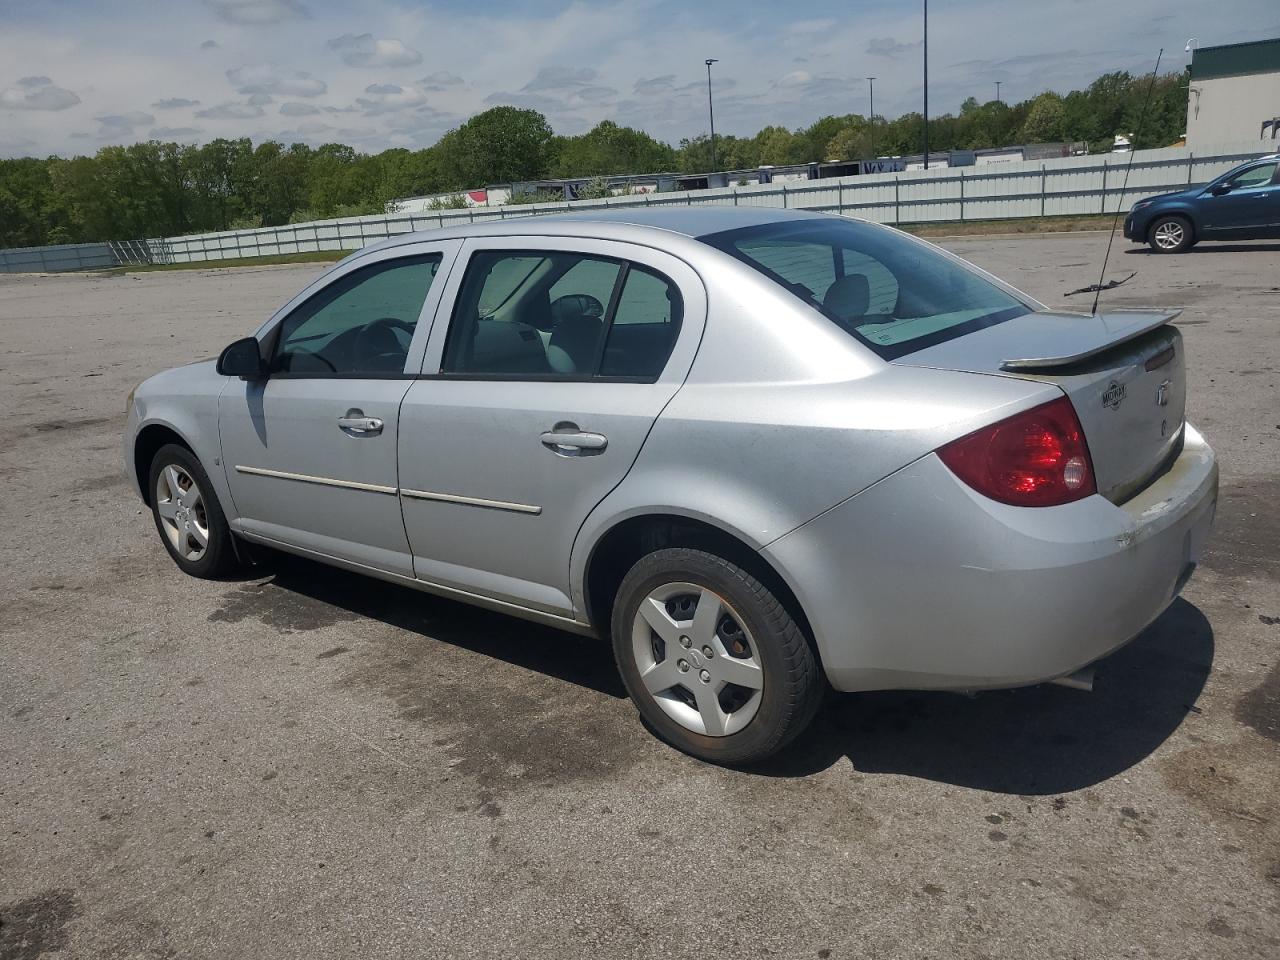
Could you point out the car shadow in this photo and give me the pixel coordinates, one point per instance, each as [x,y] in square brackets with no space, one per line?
[585,661]
[1032,741]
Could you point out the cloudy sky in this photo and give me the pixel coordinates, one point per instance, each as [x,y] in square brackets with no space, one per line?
[78,74]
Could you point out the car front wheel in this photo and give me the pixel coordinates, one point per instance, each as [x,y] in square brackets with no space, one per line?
[188,516]
[712,659]
[1170,235]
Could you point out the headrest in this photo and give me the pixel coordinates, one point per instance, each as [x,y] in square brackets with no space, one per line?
[849,297]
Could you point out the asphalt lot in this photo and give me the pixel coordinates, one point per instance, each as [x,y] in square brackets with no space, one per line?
[307,764]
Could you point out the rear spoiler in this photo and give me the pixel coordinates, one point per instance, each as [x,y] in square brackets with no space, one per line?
[1108,332]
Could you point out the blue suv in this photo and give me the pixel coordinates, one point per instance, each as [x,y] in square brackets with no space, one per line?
[1242,204]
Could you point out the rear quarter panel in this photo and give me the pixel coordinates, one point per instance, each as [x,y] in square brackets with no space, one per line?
[783,416]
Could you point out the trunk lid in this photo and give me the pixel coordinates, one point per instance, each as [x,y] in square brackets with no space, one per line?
[1124,373]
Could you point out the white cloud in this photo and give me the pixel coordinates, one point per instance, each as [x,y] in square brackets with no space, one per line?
[174,103]
[209,45]
[270,78]
[260,100]
[366,51]
[37,93]
[181,134]
[231,111]
[294,109]
[890,47]
[389,98]
[560,78]
[257,12]
[120,126]
[441,80]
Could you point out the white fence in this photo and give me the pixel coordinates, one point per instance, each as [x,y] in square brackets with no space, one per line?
[1066,186]
[1070,186]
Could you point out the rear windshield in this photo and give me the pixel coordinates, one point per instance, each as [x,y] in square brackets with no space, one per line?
[890,292]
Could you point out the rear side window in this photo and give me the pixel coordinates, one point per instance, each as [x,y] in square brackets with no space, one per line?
[561,316]
[890,292]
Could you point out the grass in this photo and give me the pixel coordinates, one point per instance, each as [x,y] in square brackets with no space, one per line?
[980,228]
[314,256]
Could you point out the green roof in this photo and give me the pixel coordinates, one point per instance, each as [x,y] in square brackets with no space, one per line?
[1236,59]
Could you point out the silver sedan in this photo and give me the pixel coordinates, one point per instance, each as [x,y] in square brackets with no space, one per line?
[762,451]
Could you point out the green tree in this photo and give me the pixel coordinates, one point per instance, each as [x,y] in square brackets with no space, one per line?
[501,145]
[1045,120]
[610,149]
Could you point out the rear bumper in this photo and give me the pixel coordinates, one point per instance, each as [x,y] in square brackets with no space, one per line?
[920,582]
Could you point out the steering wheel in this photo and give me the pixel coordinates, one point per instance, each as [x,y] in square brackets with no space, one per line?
[377,343]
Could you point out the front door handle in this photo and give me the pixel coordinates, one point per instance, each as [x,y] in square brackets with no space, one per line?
[567,440]
[354,421]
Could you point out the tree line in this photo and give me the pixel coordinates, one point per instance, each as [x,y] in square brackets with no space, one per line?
[165,189]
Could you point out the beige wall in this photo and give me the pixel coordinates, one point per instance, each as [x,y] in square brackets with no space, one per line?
[1232,108]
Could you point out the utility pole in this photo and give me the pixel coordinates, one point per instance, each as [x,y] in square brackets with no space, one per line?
[926,84]
[998,82]
[712,114]
[871,83]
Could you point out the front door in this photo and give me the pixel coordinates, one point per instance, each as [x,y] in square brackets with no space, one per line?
[310,452]
[537,400]
[1249,208]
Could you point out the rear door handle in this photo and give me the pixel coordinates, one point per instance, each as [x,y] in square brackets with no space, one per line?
[566,439]
[356,422]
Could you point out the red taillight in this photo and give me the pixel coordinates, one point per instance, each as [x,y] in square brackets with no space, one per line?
[1037,458]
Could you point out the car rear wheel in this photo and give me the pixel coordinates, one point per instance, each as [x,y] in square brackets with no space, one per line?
[1170,235]
[188,516]
[713,660]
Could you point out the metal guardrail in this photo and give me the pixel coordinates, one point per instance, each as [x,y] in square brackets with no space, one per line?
[66,257]
[1070,186]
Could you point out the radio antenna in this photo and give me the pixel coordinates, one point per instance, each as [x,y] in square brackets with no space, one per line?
[1098,287]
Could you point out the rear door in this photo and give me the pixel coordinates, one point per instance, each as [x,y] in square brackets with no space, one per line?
[538,392]
[310,452]
[1249,208]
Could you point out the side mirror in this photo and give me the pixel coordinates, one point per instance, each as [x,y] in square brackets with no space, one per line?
[1218,189]
[243,359]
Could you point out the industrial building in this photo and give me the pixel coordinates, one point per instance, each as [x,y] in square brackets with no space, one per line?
[1234,93]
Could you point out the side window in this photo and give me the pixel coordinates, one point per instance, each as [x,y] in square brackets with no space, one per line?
[1254,177]
[644,327]
[557,315]
[361,323]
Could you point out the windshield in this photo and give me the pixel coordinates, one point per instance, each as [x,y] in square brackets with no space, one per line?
[890,292]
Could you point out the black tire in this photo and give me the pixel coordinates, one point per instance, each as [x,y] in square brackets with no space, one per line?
[793,684]
[1173,226]
[219,557]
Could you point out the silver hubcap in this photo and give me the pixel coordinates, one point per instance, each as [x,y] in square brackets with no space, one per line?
[1169,235]
[182,512]
[697,659]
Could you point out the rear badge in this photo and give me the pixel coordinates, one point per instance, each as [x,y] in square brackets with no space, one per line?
[1113,395]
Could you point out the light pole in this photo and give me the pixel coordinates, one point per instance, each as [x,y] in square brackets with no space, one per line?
[926,84]
[712,114]
[998,82]
[871,83]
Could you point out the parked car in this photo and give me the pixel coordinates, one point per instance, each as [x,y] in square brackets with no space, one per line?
[1242,204]
[763,451]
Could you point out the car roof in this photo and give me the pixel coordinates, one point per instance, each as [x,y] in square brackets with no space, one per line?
[619,223]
